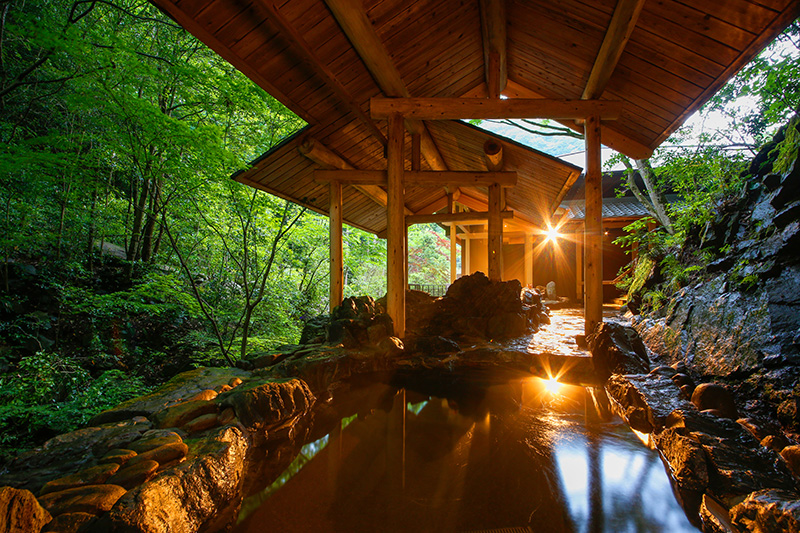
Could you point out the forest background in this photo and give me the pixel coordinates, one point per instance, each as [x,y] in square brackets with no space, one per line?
[127,252]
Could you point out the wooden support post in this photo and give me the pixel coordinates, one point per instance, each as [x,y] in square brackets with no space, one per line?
[453,251]
[593,234]
[527,266]
[336,256]
[396,250]
[466,269]
[579,264]
[495,248]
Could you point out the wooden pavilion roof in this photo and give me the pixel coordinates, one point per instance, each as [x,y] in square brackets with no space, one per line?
[325,60]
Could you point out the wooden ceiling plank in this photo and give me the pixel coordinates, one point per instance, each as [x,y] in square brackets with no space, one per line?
[362,35]
[493,32]
[783,19]
[319,68]
[474,108]
[619,31]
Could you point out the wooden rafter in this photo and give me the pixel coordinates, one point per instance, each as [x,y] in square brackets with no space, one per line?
[482,108]
[327,158]
[619,31]
[358,28]
[466,218]
[443,178]
[610,137]
[312,61]
[493,31]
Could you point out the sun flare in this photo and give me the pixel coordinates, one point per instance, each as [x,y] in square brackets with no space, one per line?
[552,386]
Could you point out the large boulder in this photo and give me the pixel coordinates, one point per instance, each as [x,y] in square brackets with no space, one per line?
[768,510]
[20,512]
[263,404]
[617,349]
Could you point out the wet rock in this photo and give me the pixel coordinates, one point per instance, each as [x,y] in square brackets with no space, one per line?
[685,457]
[715,517]
[715,396]
[758,427]
[737,464]
[791,454]
[135,475]
[266,360]
[390,347]
[155,440]
[118,455]
[66,454]
[201,423]
[644,401]
[69,523]
[92,499]
[775,443]
[227,416]
[208,394]
[93,475]
[789,414]
[666,371]
[200,494]
[680,379]
[617,349]
[179,414]
[20,511]
[177,390]
[430,345]
[768,510]
[163,454]
[259,405]
[235,382]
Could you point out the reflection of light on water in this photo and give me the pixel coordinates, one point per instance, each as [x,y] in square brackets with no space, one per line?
[636,495]
[644,437]
[552,386]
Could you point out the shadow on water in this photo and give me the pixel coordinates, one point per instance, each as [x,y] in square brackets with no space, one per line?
[512,458]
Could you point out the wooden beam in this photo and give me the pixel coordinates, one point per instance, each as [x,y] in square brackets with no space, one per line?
[573,177]
[474,108]
[593,235]
[481,235]
[328,159]
[495,248]
[474,202]
[313,62]
[358,28]
[619,31]
[336,256]
[415,152]
[527,260]
[493,152]
[444,178]
[493,31]
[466,218]
[396,236]
[611,138]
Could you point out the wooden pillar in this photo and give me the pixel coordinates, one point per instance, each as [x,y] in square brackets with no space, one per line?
[527,267]
[466,270]
[495,247]
[579,265]
[593,232]
[453,250]
[396,232]
[336,256]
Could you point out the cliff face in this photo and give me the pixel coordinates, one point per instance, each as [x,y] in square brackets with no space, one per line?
[739,321]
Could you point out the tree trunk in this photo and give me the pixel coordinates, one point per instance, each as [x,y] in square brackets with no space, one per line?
[654,202]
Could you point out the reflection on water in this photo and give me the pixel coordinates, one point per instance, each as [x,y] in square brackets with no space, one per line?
[522,458]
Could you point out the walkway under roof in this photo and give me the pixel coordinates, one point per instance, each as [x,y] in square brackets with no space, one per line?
[363,73]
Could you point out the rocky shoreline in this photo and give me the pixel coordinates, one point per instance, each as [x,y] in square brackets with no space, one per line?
[177,459]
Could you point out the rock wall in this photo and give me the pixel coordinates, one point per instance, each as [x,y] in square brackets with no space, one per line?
[739,319]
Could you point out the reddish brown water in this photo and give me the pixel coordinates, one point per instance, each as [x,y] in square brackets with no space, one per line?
[516,458]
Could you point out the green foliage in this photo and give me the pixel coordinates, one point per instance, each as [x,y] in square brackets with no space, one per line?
[48,394]
[787,150]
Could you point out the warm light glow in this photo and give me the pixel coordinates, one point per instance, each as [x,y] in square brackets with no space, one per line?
[552,234]
[552,386]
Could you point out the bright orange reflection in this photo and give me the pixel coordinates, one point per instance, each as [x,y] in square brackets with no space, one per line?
[552,386]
